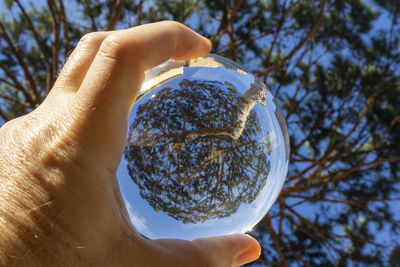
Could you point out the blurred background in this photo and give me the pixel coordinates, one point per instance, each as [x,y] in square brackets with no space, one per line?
[334,67]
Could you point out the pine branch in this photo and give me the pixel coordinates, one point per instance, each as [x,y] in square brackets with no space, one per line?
[319,163]
[93,24]
[270,263]
[277,32]
[139,12]
[276,240]
[4,115]
[190,10]
[17,101]
[299,45]
[9,83]
[221,28]
[231,15]
[116,12]
[64,21]
[16,84]
[345,173]
[289,248]
[39,41]
[56,29]
[32,95]
[293,101]
[292,70]
[381,161]
[244,42]
[322,235]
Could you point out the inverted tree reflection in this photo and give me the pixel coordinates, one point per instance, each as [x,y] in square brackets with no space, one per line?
[194,151]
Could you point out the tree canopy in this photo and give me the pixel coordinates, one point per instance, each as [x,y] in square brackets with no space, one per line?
[184,158]
[334,68]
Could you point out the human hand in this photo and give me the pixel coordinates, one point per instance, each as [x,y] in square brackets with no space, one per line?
[60,203]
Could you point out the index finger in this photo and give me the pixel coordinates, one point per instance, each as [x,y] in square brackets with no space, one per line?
[109,88]
[117,70]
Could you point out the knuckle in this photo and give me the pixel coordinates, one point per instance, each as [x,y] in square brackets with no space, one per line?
[115,47]
[91,38]
[175,24]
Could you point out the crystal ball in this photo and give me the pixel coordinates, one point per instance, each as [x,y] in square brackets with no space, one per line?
[206,153]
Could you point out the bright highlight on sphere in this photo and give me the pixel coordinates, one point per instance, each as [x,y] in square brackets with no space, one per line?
[207,151]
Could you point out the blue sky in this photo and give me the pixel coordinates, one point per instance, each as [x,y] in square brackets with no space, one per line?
[306,208]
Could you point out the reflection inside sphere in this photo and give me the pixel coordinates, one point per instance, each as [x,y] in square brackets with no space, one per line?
[206,153]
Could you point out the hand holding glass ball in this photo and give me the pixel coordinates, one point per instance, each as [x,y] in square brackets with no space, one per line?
[207,151]
[59,191]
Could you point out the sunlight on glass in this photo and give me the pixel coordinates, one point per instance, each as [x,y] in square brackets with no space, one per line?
[207,150]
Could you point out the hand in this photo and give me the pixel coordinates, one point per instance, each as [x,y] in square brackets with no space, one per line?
[60,203]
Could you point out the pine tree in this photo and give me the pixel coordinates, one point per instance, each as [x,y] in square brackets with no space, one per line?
[334,67]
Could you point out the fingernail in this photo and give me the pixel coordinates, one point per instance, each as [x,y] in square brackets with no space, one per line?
[251,254]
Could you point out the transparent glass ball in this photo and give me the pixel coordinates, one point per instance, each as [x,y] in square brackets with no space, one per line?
[207,151]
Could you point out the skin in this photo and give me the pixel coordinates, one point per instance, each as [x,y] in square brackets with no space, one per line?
[60,204]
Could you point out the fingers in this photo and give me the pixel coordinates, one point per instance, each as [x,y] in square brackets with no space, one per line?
[105,73]
[117,70]
[175,41]
[224,251]
[230,250]
[79,61]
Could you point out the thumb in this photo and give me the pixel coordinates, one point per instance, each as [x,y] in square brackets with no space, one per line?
[230,250]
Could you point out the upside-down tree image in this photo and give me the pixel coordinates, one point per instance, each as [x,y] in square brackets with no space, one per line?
[334,68]
[190,163]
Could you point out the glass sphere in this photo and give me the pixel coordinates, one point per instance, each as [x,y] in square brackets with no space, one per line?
[206,153]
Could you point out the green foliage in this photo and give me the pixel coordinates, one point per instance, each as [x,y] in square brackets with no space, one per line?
[333,65]
[394,259]
[196,132]
[9,3]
